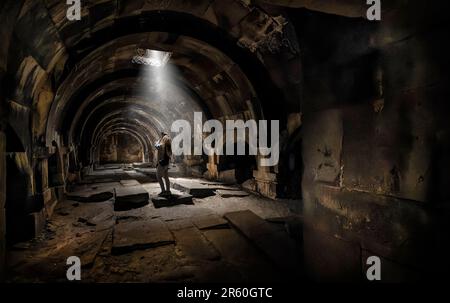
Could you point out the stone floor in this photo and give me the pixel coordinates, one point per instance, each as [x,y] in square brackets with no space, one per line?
[231,236]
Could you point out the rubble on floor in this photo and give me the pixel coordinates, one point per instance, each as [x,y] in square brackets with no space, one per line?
[127,239]
[210,222]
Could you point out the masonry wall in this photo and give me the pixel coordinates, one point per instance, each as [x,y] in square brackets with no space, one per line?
[120,148]
[376,144]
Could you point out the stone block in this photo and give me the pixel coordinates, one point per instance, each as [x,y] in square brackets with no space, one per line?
[90,195]
[193,187]
[50,202]
[129,182]
[130,198]
[39,220]
[210,222]
[250,185]
[179,224]
[141,234]
[172,200]
[232,193]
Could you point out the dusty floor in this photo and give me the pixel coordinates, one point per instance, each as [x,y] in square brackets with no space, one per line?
[188,243]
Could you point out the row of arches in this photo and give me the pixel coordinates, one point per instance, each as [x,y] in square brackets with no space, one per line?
[77,85]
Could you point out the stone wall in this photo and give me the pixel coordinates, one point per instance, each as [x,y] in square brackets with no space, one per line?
[376,144]
[121,148]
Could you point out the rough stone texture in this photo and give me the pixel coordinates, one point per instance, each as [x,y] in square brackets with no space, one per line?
[130,197]
[228,176]
[273,242]
[86,246]
[172,200]
[143,234]
[343,264]
[50,201]
[249,185]
[193,187]
[367,220]
[39,222]
[231,193]
[192,244]
[238,251]
[210,222]
[129,182]
[266,183]
[324,163]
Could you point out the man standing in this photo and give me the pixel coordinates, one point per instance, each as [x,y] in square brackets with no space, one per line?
[164,150]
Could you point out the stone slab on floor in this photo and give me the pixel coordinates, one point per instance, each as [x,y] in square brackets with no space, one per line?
[179,224]
[232,193]
[107,186]
[129,182]
[151,172]
[193,187]
[237,250]
[172,200]
[130,198]
[96,180]
[193,245]
[218,184]
[210,222]
[275,243]
[90,195]
[141,234]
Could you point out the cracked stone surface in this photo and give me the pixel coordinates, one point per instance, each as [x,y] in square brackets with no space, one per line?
[140,234]
[273,241]
[182,243]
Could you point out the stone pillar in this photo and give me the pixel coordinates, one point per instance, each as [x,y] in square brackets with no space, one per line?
[2,203]
[213,171]
[45,193]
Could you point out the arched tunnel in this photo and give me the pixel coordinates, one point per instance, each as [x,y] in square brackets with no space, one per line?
[362,133]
